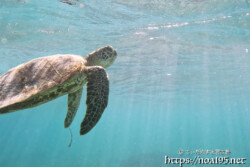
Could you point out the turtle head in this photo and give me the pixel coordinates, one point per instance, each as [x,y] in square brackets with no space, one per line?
[102,57]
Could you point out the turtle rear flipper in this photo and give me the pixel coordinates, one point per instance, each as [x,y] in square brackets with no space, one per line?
[97,97]
[73,104]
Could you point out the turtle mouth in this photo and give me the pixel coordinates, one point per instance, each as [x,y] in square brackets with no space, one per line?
[111,59]
[114,53]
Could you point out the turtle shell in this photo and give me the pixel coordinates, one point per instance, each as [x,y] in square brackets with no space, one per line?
[36,77]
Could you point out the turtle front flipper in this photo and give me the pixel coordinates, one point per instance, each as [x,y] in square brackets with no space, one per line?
[97,97]
[73,104]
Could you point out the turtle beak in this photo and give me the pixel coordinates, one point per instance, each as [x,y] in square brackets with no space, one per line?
[115,53]
[114,56]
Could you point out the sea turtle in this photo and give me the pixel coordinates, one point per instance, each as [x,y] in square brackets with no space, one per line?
[46,78]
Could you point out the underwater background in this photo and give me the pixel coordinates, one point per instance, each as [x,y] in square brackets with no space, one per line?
[181,81]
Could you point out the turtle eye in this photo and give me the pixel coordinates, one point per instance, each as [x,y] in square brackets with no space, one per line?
[108,49]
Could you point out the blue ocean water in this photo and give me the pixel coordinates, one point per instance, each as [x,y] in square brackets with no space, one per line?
[181,81]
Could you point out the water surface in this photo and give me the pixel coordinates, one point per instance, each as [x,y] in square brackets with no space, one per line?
[181,80]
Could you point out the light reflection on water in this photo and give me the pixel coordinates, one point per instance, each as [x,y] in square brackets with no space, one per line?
[181,80]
